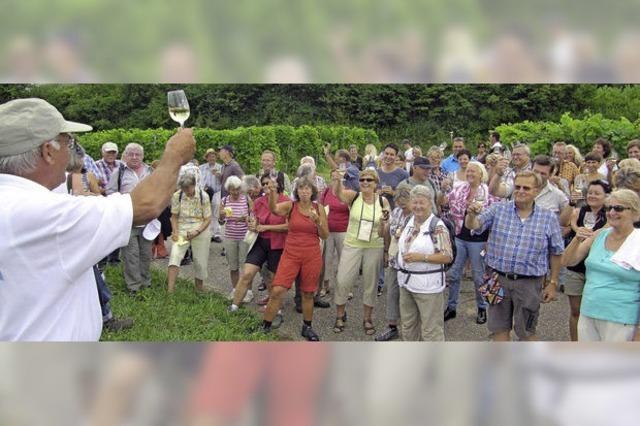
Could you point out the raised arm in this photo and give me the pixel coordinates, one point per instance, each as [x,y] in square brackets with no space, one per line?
[345,195]
[152,195]
[282,208]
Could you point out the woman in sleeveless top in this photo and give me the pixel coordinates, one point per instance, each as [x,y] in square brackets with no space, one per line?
[302,256]
[590,216]
[79,180]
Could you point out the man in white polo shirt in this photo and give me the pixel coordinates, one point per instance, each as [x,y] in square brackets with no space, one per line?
[50,241]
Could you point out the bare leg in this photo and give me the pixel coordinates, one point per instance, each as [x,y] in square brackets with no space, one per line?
[574,304]
[172,274]
[273,306]
[307,306]
[249,272]
[368,313]
[199,285]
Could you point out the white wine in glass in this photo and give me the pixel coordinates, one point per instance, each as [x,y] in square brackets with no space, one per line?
[178,106]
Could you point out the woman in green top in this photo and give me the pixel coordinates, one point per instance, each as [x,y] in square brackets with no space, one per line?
[610,309]
[364,244]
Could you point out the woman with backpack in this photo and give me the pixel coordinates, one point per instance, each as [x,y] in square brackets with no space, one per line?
[424,249]
[190,219]
[363,244]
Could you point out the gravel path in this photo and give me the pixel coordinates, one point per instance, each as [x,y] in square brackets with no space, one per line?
[552,326]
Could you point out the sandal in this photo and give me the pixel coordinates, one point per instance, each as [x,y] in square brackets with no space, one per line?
[338,327]
[369,328]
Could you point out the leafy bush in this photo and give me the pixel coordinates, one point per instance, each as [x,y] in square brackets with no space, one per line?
[541,135]
[289,143]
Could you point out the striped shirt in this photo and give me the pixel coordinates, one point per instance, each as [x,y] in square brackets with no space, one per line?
[234,230]
[519,246]
[105,171]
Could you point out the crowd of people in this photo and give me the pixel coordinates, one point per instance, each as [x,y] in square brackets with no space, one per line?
[410,225]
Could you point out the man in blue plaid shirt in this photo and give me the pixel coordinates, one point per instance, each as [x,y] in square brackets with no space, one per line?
[525,240]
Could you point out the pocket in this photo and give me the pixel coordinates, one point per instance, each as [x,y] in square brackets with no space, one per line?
[530,319]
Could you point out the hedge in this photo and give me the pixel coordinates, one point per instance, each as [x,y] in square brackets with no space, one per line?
[289,143]
[541,135]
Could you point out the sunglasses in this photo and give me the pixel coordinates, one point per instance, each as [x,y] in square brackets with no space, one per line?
[618,209]
[367,180]
[265,183]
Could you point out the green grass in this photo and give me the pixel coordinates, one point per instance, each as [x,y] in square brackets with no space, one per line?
[183,316]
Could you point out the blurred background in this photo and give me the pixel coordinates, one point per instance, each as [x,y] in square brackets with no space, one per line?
[326,384]
[404,41]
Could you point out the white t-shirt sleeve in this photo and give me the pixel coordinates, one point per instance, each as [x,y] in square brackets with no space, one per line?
[89,228]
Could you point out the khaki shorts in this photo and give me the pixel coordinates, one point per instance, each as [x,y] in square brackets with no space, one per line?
[574,283]
[236,253]
[519,309]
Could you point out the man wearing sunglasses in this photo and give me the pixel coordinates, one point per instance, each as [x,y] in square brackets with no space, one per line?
[48,288]
[524,243]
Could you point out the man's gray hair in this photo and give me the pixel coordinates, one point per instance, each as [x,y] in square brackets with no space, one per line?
[131,147]
[421,191]
[25,163]
[524,146]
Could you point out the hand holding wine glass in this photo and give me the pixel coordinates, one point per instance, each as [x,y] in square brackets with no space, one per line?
[178,106]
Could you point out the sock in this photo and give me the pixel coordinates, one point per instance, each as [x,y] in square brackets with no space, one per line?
[307,323]
[234,307]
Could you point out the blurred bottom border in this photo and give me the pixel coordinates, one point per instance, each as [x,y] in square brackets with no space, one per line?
[319,384]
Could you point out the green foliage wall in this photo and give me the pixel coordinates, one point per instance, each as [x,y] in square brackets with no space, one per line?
[580,132]
[288,142]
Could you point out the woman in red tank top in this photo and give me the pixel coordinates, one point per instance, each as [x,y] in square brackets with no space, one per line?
[302,255]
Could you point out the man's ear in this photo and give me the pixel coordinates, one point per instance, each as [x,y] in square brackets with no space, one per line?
[47,150]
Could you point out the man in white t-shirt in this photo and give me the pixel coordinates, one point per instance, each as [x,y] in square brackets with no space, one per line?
[50,240]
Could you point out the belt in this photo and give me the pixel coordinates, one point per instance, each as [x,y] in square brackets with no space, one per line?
[514,277]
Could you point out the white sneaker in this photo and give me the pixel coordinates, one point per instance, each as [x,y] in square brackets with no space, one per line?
[248,297]
[232,294]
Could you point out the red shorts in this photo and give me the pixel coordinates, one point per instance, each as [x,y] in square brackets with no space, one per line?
[306,263]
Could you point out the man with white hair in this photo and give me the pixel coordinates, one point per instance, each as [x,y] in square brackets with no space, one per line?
[50,241]
[137,253]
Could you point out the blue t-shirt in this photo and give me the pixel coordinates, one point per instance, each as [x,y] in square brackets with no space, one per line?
[450,164]
[391,179]
[611,293]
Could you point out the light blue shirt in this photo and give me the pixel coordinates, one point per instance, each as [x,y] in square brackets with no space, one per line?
[450,164]
[611,293]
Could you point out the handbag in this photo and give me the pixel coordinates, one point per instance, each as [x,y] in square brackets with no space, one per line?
[250,238]
[491,289]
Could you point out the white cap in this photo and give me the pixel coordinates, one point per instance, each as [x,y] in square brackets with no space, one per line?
[152,230]
[109,146]
[28,123]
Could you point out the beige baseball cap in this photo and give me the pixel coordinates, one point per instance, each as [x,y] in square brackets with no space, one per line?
[109,146]
[28,123]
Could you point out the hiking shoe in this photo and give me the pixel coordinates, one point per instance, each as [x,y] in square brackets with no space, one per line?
[309,334]
[389,334]
[449,314]
[277,321]
[115,325]
[248,297]
[482,316]
[380,290]
[262,286]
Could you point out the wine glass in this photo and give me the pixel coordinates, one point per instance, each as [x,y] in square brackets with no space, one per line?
[589,220]
[178,106]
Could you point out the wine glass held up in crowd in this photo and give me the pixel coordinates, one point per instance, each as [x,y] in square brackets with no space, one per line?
[178,106]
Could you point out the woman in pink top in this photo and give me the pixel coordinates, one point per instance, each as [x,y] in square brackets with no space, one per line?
[338,218]
[234,213]
[272,232]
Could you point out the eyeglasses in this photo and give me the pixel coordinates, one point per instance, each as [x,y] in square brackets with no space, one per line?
[367,180]
[618,209]
[265,183]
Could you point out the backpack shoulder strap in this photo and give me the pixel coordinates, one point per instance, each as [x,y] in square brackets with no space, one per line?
[354,199]
[120,173]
